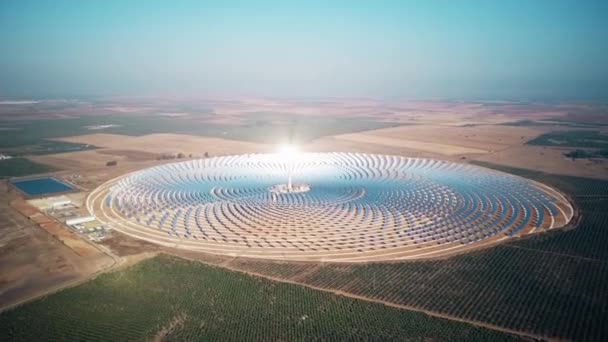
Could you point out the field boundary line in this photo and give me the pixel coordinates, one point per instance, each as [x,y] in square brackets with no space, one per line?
[555,253]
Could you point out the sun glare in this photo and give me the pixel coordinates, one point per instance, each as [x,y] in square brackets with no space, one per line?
[288,149]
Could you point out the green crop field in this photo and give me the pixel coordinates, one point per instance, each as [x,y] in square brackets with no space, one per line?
[45,147]
[577,154]
[16,167]
[582,138]
[553,122]
[178,300]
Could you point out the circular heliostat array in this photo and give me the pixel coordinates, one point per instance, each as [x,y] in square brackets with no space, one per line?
[326,206]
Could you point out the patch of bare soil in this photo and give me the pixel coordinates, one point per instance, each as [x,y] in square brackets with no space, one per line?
[134,249]
[123,245]
[32,261]
[175,322]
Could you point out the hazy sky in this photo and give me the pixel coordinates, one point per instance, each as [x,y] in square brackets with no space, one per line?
[468,49]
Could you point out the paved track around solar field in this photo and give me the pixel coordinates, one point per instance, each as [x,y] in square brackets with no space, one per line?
[360,207]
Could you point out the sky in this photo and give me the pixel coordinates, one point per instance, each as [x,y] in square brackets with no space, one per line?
[420,49]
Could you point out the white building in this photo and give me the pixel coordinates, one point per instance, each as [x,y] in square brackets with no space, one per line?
[79,220]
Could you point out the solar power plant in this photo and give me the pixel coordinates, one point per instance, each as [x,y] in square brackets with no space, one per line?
[341,207]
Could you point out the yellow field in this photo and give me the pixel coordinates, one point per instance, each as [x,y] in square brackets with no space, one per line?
[411,144]
[168,143]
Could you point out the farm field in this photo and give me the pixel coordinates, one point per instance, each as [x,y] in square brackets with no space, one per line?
[167,298]
[37,138]
[413,144]
[72,142]
[479,138]
[547,159]
[257,127]
[152,145]
[16,167]
[582,138]
[43,147]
